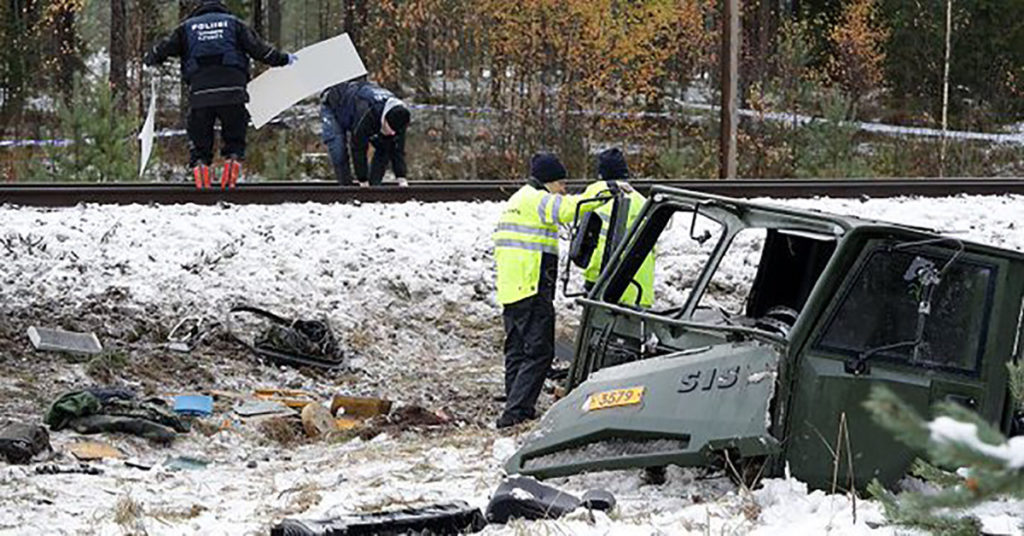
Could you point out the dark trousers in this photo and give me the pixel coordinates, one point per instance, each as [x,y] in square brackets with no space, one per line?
[379,164]
[234,120]
[529,351]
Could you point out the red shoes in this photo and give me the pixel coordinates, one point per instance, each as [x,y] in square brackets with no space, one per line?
[228,178]
[232,172]
[201,174]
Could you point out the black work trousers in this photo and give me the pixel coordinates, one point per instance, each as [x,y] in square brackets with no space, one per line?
[234,120]
[529,351]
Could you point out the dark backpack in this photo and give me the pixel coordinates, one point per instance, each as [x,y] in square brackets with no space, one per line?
[19,443]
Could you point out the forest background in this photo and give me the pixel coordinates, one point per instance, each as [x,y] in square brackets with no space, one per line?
[492,81]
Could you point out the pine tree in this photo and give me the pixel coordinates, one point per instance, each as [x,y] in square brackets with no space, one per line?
[991,466]
[100,140]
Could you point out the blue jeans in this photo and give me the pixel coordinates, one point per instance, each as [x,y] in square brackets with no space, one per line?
[337,148]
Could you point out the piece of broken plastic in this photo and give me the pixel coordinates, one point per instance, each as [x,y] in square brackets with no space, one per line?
[526,498]
[185,463]
[255,408]
[93,450]
[358,407]
[56,340]
[446,518]
[196,405]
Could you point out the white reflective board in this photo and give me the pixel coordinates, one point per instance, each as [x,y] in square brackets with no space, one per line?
[320,66]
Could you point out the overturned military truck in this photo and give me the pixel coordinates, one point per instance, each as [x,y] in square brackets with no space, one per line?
[824,308]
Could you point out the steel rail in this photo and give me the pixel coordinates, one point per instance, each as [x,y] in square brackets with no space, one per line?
[63,195]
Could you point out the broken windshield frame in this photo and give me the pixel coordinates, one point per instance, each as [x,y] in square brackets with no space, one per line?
[732,217]
[929,278]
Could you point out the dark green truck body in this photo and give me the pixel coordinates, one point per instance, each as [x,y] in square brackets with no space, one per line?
[835,306]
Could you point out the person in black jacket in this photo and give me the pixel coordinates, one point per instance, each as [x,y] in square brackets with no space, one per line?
[215,47]
[355,115]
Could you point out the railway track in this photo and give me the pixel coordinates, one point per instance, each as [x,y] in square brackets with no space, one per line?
[63,195]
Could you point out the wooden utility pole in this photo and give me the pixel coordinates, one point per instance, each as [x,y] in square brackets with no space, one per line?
[730,60]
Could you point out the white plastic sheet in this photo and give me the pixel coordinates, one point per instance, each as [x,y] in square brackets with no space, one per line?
[147,134]
[320,66]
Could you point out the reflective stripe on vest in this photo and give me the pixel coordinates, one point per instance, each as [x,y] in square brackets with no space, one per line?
[542,208]
[528,246]
[526,229]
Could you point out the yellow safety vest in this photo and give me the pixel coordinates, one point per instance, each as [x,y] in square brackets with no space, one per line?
[645,275]
[527,229]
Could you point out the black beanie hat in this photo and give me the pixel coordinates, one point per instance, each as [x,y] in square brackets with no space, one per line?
[398,118]
[546,167]
[611,165]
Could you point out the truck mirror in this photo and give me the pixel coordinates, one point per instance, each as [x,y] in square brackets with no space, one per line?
[584,242]
[703,237]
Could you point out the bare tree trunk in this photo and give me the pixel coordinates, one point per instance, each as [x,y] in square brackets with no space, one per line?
[423,66]
[274,22]
[355,20]
[257,18]
[119,52]
[67,49]
[184,8]
[324,18]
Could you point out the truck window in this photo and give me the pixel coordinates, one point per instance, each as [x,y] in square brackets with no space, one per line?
[679,258]
[881,308]
[731,283]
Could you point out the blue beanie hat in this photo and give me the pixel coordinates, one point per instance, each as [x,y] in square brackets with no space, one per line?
[611,165]
[546,167]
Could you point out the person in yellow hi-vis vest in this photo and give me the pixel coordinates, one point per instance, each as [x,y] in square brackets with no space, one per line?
[526,252]
[612,168]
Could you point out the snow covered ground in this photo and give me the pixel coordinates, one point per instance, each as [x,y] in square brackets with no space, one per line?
[410,290]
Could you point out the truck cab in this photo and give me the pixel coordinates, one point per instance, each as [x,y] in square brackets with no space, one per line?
[768,336]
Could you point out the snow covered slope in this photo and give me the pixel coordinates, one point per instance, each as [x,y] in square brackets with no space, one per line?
[410,288]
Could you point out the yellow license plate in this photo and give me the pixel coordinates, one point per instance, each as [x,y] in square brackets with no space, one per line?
[616,398]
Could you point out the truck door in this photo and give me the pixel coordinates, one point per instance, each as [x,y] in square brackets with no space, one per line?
[876,331]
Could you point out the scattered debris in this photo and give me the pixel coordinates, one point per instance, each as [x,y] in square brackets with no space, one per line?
[55,340]
[98,410]
[447,518]
[290,397]
[80,469]
[524,497]
[136,464]
[281,430]
[598,499]
[259,408]
[93,450]
[194,405]
[185,463]
[189,333]
[19,443]
[404,418]
[317,421]
[296,343]
[359,407]
[343,423]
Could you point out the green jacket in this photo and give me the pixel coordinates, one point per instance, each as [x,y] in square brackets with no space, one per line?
[645,275]
[528,229]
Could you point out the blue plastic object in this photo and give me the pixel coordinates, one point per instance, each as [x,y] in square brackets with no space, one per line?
[196,405]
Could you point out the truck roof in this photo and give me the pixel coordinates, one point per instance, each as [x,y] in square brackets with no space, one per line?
[820,221]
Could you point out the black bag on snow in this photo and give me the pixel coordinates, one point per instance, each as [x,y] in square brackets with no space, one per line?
[19,443]
[302,343]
